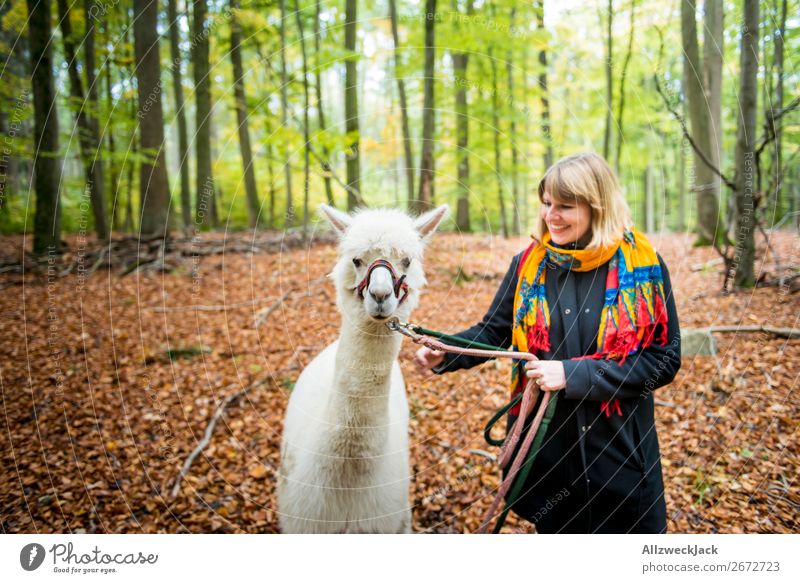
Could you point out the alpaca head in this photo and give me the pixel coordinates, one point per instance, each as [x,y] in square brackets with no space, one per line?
[373,235]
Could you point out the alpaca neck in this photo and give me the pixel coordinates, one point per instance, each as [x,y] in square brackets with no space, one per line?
[362,381]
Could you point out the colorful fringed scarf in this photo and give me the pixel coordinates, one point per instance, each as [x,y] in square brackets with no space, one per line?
[633,309]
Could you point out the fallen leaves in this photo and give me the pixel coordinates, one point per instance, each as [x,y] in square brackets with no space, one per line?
[105,398]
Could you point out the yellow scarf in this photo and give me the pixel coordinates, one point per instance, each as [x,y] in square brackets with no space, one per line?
[634,304]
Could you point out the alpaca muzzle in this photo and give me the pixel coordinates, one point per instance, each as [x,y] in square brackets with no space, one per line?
[398,283]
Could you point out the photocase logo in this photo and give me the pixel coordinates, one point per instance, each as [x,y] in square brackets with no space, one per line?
[31,556]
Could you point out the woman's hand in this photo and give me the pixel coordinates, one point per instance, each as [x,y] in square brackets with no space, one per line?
[548,374]
[426,359]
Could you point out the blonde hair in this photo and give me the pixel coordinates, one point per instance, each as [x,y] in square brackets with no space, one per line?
[589,179]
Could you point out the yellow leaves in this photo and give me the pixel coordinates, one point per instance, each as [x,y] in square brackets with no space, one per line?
[258,472]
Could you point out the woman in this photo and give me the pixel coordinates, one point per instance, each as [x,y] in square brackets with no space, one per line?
[593,301]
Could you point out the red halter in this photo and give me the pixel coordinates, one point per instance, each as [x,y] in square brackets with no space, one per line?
[397,283]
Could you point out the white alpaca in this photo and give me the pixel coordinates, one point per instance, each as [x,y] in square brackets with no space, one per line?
[344,456]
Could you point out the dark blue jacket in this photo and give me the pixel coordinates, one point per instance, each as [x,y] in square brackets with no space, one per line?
[594,473]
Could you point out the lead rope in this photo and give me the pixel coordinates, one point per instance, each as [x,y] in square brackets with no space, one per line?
[529,395]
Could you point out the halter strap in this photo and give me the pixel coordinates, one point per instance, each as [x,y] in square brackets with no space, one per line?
[398,283]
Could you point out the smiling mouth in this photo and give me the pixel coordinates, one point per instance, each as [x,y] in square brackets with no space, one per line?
[556,229]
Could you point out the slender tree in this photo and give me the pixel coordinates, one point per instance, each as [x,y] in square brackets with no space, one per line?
[460,64]
[516,226]
[326,165]
[96,161]
[269,137]
[113,168]
[242,115]
[47,161]
[306,137]
[546,130]
[426,165]
[180,111]
[401,91]
[713,50]
[496,131]
[351,105]
[205,204]
[745,147]
[287,169]
[777,152]
[622,79]
[708,228]
[609,78]
[87,131]
[153,184]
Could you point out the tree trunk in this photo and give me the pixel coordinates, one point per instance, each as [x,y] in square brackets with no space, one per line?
[307,152]
[708,227]
[270,153]
[401,91]
[287,169]
[513,131]
[777,153]
[326,155]
[87,131]
[47,161]
[426,166]
[153,184]
[253,204]
[460,62]
[183,135]
[113,168]
[546,130]
[351,105]
[496,132]
[204,204]
[745,148]
[609,79]
[680,224]
[98,191]
[648,210]
[622,79]
[713,43]
[273,194]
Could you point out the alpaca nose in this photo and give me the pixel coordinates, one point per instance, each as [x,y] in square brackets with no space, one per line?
[380,295]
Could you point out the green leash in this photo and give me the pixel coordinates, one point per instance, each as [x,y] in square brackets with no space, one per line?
[455,339]
[525,469]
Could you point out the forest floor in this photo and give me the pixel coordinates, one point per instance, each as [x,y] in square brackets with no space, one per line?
[108,383]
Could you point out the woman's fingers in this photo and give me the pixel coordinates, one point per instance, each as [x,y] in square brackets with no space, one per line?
[426,359]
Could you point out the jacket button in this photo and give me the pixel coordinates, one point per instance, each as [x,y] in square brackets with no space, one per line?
[583,428]
[567,311]
[586,310]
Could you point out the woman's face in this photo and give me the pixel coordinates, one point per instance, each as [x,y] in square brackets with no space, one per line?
[567,220]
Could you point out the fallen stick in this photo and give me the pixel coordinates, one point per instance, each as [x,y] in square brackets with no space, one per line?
[207,436]
[706,265]
[264,314]
[214,308]
[779,332]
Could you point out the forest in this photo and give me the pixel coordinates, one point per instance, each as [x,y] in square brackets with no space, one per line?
[161,168]
[210,115]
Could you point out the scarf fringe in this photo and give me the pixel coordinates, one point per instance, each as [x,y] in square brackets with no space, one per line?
[634,314]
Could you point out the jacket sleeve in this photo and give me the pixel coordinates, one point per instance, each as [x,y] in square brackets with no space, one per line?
[493,329]
[640,374]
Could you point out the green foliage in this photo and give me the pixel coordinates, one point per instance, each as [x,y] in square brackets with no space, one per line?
[574,44]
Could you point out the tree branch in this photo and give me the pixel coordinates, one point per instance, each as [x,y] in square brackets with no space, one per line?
[207,436]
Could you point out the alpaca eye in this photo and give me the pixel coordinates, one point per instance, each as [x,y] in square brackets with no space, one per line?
[356,262]
[406,263]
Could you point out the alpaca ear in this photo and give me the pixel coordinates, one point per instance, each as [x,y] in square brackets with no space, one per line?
[426,224]
[339,221]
